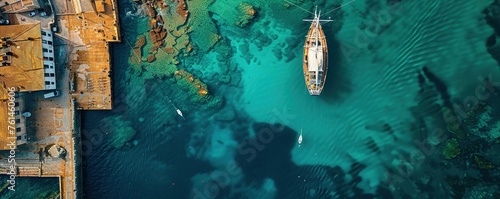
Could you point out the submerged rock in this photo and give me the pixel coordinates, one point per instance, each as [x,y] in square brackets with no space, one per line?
[248,13]
[225,79]
[181,9]
[451,149]
[482,163]
[480,191]
[470,121]
[196,90]
[227,114]
[236,78]
[203,31]
[151,58]
[487,126]
[278,53]
[453,123]
[119,131]
[141,41]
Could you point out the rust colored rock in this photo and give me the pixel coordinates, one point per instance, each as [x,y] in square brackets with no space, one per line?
[203,92]
[151,58]
[160,5]
[160,43]
[159,19]
[152,24]
[154,36]
[157,36]
[153,49]
[181,9]
[248,12]
[162,35]
[169,50]
[151,11]
[192,82]
[141,41]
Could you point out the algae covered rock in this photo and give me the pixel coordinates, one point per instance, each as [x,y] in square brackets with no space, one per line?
[482,163]
[470,121]
[119,131]
[236,78]
[225,79]
[212,103]
[203,31]
[451,149]
[248,12]
[453,124]
[196,90]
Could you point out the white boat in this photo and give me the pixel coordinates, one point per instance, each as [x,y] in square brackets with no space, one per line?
[300,137]
[179,113]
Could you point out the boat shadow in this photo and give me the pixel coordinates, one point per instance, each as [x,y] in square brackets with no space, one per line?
[337,85]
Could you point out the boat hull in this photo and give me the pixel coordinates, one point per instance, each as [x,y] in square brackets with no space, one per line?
[315,34]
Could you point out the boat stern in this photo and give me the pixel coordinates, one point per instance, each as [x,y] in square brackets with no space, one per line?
[314,92]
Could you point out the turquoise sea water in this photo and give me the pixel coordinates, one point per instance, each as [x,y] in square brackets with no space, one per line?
[373,133]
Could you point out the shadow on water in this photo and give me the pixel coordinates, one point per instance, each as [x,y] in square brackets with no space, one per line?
[337,84]
[274,161]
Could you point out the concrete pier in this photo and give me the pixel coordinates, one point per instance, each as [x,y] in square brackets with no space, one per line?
[83,30]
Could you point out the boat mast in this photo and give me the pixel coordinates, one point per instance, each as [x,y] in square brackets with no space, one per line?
[316,17]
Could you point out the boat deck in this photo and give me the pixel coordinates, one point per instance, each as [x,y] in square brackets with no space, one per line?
[315,64]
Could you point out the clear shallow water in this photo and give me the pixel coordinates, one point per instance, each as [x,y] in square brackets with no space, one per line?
[364,127]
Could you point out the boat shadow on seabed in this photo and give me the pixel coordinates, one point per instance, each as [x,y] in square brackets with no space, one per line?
[338,84]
